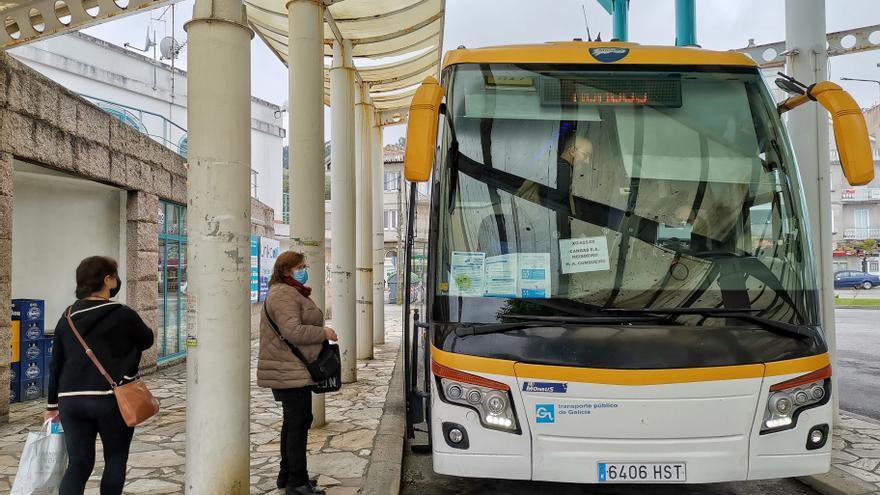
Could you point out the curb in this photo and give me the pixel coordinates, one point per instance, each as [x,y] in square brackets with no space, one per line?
[839,482]
[856,307]
[386,461]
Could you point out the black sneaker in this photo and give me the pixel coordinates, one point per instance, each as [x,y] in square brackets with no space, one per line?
[307,489]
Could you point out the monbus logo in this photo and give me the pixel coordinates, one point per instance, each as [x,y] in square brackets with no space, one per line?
[608,54]
[545,387]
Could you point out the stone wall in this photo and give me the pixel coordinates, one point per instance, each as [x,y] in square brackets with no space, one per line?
[43,123]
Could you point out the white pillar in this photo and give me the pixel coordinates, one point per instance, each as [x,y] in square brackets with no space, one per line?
[218,214]
[342,201]
[808,126]
[364,244]
[306,114]
[378,174]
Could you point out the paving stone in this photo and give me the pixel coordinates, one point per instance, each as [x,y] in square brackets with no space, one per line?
[861,473]
[354,440]
[338,451]
[866,464]
[338,465]
[153,486]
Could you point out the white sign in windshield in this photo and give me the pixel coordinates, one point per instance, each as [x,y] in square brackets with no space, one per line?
[466,274]
[584,254]
[523,275]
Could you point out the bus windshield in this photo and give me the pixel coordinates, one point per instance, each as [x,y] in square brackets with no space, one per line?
[590,189]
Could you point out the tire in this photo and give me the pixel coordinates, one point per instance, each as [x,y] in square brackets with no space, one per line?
[867,285]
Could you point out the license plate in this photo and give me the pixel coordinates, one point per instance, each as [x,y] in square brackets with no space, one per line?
[670,472]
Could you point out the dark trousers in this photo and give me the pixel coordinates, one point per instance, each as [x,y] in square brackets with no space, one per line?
[83,419]
[297,406]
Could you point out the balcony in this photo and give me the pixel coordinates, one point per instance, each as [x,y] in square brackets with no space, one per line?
[861,234]
[859,194]
[157,127]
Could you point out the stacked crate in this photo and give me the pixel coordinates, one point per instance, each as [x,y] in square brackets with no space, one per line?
[29,361]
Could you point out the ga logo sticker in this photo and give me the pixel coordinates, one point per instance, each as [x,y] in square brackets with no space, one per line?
[545,413]
[608,54]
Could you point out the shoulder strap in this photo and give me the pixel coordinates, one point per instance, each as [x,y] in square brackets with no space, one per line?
[293,348]
[88,350]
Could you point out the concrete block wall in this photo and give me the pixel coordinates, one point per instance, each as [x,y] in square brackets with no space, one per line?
[43,123]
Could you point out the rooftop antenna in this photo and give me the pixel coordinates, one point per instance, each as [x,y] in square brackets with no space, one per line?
[587,24]
[149,43]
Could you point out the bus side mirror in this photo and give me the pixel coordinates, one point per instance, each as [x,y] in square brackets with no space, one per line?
[421,131]
[850,131]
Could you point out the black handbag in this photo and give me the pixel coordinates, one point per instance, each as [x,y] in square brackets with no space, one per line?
[325,370]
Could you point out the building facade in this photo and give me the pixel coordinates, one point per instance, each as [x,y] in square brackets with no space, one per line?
[152,97]
[855,211]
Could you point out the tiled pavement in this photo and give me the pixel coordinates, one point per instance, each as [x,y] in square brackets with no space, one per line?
[339,452]
[857,449]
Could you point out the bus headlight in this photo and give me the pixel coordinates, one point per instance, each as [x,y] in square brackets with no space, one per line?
[789,398]
[489,398]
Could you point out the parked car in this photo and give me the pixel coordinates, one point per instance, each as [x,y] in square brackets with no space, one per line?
[860,280]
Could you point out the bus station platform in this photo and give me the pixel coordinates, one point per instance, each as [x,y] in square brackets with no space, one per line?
[340,452]
[352,453]
[855,462]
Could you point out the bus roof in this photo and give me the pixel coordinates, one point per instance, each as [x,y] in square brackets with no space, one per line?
[599,53]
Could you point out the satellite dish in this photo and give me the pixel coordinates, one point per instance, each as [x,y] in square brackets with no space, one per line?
[170,48]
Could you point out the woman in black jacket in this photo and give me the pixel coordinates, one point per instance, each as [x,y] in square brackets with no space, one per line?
[78,393]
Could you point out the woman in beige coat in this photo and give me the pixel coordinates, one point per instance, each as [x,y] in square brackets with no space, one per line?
[300,321]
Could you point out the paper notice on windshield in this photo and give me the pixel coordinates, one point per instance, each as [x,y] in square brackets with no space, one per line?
[501,276]
[466,274]
[534,276]
[584,254]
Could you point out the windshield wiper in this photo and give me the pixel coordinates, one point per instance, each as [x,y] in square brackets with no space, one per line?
[529,321]
[744,314]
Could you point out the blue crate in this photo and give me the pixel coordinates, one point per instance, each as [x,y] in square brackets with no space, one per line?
[33,350]
[15,372]
[49,345]
[32,370]
[13,392]
[30,390]
[29,310]
[31,330]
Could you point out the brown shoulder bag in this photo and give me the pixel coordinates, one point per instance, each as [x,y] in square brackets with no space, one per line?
[136,403]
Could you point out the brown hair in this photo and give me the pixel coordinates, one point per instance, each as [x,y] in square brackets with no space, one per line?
[91,272]
[284,264]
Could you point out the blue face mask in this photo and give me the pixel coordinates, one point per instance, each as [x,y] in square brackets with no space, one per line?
[301,276]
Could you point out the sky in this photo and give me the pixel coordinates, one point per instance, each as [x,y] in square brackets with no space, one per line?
[721,25]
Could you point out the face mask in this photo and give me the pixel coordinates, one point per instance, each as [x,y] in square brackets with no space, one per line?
[115,291]
[301,276]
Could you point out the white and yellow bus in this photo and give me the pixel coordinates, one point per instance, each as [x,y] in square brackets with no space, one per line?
[620,279]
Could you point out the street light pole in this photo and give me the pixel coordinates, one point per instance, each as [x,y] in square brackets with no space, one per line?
[863,80]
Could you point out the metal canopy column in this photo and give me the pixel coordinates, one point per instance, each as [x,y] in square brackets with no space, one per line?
[685,23]
[306,184]
[342,200]
[378,175]
[807,61]
[219,212]
[364,244]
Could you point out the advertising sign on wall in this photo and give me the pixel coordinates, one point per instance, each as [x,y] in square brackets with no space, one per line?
[255,268]
[270,249]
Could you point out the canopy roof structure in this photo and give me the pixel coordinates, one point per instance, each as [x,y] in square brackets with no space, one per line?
[25,21]
[409,32]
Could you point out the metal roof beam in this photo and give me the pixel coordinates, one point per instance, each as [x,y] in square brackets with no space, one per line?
[858,40]
[30,21]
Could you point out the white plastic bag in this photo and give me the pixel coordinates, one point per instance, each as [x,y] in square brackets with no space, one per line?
[43,462]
